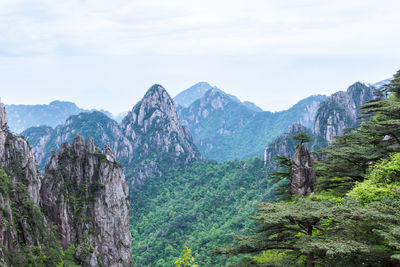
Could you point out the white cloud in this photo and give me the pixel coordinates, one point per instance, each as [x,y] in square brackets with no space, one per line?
[67,49]
[195,27]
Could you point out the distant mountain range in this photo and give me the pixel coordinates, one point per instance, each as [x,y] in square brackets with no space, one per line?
[21,117]
[223,127]
[226,129]
[197,91]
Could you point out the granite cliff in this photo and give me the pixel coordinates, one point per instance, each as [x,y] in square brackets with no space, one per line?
[340,111]
[82,202]
[84,193]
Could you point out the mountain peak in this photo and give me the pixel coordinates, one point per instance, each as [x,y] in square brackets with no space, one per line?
[190,95]
[157,136]
[156,89]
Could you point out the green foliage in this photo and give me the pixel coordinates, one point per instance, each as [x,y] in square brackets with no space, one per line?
[199,206]
[272,257]
[30,221]
[187,259]
[68,257]
[4,183]
[281,177]
[370,191]
[383,180]
[387,170]
[333,234]
[302,137]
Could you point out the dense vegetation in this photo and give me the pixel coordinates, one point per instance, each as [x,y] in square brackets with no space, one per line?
[199,207]
[353,218]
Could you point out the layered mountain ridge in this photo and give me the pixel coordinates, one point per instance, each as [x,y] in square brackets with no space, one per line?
[224,129]
[22,117]
[149,140]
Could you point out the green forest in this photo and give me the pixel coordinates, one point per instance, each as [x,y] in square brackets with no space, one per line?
[236,213]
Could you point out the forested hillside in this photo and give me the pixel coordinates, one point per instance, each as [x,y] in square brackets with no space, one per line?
[199,206]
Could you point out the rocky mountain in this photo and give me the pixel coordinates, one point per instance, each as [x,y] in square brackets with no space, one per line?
[149,140]
[252,106]
[22,117]
[197,91]
[224,129]
[340,111]
[95,124]
[284,144]
[158,139]
[84,193]
[22,225]
[188,96]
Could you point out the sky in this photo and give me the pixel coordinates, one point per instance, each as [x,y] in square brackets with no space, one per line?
[106,54]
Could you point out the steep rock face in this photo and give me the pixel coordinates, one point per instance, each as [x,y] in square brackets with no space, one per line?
[23,226]
[17,157]
[283,144]
[302,174]
[225,129]
[84,193]
[158,139]
[341,111]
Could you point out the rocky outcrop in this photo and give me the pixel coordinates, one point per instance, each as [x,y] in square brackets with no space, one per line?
[16,156]
[302,174]
[283,145]
[85,195]
[158,139]
[23,226]
[341,111]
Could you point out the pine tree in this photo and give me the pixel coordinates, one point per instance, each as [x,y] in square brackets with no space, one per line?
[302,137]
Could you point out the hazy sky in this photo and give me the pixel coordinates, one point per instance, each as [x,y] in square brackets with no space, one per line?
[106,54]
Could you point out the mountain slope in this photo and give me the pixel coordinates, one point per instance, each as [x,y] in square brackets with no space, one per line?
[198,206]
[188,96]
[158,139]
[150,139]
[341,111]
[95,124]
[224,129]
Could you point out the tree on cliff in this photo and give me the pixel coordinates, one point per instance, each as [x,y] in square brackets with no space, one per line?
[302,137]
